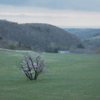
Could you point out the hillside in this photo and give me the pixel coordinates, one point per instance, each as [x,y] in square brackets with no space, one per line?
[88,36]
[35,35]
[85,33]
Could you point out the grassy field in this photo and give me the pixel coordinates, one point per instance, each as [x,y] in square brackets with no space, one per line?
[71,77]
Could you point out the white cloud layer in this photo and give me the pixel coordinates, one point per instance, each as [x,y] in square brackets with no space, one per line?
[67,18]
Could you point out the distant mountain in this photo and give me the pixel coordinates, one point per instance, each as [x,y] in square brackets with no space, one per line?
[88,36]
[35,35]
[87,33]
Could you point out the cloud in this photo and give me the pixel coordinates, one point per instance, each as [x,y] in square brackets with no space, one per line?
[14,2]
[83,5]
[68,18]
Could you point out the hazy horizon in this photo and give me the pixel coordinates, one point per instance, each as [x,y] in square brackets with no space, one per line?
[62,13]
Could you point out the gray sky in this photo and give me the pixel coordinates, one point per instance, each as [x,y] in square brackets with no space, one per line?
[62,13]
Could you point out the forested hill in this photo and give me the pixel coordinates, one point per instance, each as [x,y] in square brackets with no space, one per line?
[85,33]
[89,36]
[35,35]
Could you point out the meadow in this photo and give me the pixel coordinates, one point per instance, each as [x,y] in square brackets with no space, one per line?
[71,77]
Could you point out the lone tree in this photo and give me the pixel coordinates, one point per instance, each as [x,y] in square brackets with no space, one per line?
[80,46]
[33,65]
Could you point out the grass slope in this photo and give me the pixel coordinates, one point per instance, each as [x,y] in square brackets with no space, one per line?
[71,77]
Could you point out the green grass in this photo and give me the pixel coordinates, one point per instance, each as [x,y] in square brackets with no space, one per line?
[71,77]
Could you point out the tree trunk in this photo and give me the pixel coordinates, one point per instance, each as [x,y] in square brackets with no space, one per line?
[35,77]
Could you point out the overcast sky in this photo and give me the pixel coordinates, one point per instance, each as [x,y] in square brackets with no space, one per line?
[62,13]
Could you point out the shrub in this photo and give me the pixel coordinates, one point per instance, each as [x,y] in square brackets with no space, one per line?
[1,38]
[12,46]
[98,52]
[80,46]
[33,65]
